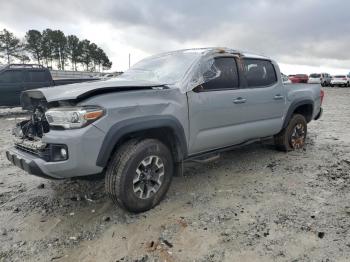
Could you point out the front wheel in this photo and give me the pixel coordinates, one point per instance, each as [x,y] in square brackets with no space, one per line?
[293,136]
[139,174]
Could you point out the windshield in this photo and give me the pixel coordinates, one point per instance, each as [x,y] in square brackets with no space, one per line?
[166,68]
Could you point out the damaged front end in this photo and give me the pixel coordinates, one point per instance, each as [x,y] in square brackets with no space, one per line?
[27,134]
[32,129]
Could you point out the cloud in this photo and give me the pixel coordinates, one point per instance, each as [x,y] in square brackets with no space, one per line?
[310,32]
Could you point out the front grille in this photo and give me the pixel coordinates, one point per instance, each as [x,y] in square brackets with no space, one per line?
[41,153]
[28,150]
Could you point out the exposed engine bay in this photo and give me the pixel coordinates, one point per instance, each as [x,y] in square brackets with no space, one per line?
[33,129]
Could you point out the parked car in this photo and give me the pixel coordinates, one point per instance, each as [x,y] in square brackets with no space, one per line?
[299,78]
[140,127]
[16,78]
[340,80]
[285,79]
[324,79]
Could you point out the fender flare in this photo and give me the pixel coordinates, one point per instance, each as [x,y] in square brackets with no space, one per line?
[295,105]
[125,127]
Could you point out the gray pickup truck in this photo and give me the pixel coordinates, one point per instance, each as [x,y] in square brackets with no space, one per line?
[138,129]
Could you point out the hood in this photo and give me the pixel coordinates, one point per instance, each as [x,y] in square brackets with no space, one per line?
[83,90]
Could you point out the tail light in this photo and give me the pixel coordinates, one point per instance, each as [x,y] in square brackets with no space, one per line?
[322,95]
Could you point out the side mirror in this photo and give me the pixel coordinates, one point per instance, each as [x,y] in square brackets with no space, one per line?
[198,89]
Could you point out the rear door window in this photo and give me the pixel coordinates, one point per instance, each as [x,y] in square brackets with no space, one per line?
[36,76]
[11,76]
[315,75]
[259,73]
[227,74]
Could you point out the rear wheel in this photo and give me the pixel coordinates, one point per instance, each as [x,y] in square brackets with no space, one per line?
[293,136]
[139,174]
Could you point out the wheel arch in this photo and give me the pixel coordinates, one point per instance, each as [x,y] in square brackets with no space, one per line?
[304,107]
[165,128]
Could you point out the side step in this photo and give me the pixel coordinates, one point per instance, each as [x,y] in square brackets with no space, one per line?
[206,159]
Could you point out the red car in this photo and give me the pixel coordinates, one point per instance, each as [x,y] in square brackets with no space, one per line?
[299,78]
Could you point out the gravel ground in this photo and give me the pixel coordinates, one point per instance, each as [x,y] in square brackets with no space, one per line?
[253,204]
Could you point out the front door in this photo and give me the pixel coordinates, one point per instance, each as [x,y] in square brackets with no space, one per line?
[213,113]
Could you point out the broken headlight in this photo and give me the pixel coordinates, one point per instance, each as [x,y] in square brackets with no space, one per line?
[73,117]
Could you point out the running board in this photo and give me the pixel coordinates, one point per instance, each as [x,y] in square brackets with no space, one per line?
[206,159]
[209,154]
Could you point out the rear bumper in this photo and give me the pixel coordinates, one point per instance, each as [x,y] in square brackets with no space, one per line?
[314,81]
[318,116]
[339,82]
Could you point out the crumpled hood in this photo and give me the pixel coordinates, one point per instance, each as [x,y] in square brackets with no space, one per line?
[82,90]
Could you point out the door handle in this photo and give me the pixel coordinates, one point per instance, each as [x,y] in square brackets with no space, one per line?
[278,97]
[239,100]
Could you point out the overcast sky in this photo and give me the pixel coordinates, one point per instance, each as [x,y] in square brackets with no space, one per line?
[302,35]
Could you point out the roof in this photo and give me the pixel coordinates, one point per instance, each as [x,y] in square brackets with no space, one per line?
[20,66]
[206,50]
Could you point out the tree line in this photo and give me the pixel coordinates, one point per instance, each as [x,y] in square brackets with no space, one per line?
[52,48]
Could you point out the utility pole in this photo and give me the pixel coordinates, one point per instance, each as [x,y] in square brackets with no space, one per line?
[129,60]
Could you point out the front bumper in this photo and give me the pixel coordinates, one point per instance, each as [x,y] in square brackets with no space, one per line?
[25,162]
[83,147]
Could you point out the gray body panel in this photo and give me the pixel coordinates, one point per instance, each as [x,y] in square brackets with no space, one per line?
[74,91]
[210,120]
[217,121]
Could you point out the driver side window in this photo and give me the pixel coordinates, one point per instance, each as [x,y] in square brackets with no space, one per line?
[225,74]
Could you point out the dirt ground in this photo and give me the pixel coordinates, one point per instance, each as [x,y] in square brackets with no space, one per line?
[253,204]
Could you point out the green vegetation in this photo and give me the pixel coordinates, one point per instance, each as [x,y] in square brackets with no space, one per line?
[52,48]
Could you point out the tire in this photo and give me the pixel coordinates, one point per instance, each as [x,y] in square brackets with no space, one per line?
[147,160]
[287,140]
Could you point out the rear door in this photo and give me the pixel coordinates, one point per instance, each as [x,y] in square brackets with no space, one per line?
[265,99]
[11,86]
[37,78]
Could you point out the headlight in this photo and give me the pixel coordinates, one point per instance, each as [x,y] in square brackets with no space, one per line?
[73,117]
